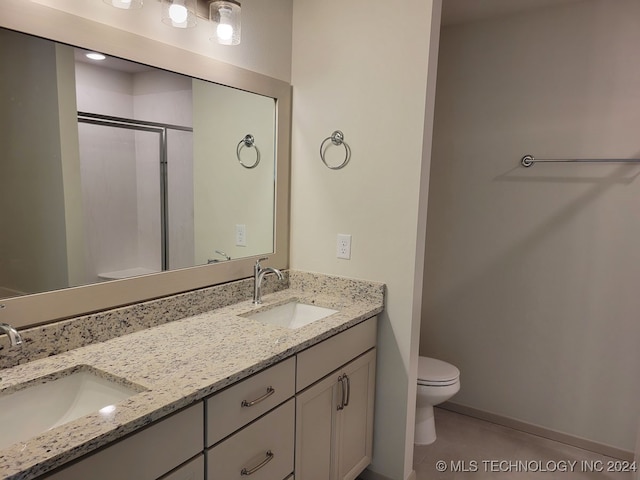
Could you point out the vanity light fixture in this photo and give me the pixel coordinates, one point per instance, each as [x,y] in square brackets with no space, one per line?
[225,15]
[179,13]
[124,4]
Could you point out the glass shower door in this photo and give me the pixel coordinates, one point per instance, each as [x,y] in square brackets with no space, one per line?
[120,167]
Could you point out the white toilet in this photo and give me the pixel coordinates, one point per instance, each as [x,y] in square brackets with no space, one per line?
[438,381]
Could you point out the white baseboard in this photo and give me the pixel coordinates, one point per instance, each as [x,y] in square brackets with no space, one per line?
[575,441]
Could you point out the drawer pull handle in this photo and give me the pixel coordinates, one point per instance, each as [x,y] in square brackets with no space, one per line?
[270,391]
[253,470]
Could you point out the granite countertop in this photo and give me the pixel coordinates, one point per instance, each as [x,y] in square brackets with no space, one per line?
[179,363]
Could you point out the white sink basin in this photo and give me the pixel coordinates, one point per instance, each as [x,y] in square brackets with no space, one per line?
[291,315]
[41,406]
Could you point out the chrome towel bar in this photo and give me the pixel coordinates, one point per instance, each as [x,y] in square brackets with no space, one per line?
[530,160]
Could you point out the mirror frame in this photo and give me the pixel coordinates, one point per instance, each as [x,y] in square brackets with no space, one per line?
[34,309]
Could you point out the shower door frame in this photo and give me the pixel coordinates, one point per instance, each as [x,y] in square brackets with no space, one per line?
[162,130]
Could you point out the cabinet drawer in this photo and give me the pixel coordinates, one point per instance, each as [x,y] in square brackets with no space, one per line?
[268,442]
[193,470]
[329,355]
[225,410]
[145,455]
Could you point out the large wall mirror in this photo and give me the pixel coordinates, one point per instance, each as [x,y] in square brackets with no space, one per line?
[122,181]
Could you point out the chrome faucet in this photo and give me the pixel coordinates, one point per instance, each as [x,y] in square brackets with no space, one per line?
[216,260]
[14,336]
[258,275]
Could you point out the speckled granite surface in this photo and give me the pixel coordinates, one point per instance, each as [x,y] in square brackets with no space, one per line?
[181,362]
[65,335]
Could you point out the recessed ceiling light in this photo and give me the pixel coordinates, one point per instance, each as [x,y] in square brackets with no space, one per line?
[95,56]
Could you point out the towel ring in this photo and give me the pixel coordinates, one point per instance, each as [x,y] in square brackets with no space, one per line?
[337,138]
[248,141]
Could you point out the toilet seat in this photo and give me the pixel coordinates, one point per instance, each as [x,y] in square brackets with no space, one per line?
[436,373]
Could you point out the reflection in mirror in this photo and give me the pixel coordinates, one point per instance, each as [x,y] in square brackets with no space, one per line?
[111,169]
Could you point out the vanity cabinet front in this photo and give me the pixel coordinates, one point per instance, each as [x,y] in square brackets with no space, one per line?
[148,454]
[262,451]
[262,445]
[334,416]
[310,415]
[192,470]
[243,402]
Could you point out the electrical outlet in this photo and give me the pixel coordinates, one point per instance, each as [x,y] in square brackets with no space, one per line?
[241,235]
[344,246]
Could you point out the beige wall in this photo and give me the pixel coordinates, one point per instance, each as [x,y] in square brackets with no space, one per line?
[531,274]
[349,73]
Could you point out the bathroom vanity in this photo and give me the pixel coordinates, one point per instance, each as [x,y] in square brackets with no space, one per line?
[221,393]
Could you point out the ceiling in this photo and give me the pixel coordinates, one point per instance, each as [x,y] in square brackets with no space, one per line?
[464,11]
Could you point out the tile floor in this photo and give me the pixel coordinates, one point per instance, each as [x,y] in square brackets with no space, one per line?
[473,449]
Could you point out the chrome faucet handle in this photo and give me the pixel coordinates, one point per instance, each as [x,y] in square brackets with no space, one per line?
[257,266]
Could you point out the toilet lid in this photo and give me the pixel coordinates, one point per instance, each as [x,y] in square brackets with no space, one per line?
[432,371]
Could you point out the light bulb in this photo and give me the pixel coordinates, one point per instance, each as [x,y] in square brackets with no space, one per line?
[224,31]
[226,16]
[178,12]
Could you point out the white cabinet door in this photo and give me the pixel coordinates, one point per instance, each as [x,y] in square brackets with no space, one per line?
[355,421]
[334,423]
[316,409]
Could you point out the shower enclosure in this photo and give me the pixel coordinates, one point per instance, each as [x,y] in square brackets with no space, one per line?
[137,196]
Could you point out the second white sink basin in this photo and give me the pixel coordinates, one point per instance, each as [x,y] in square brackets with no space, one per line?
[292,314]
[39,407]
